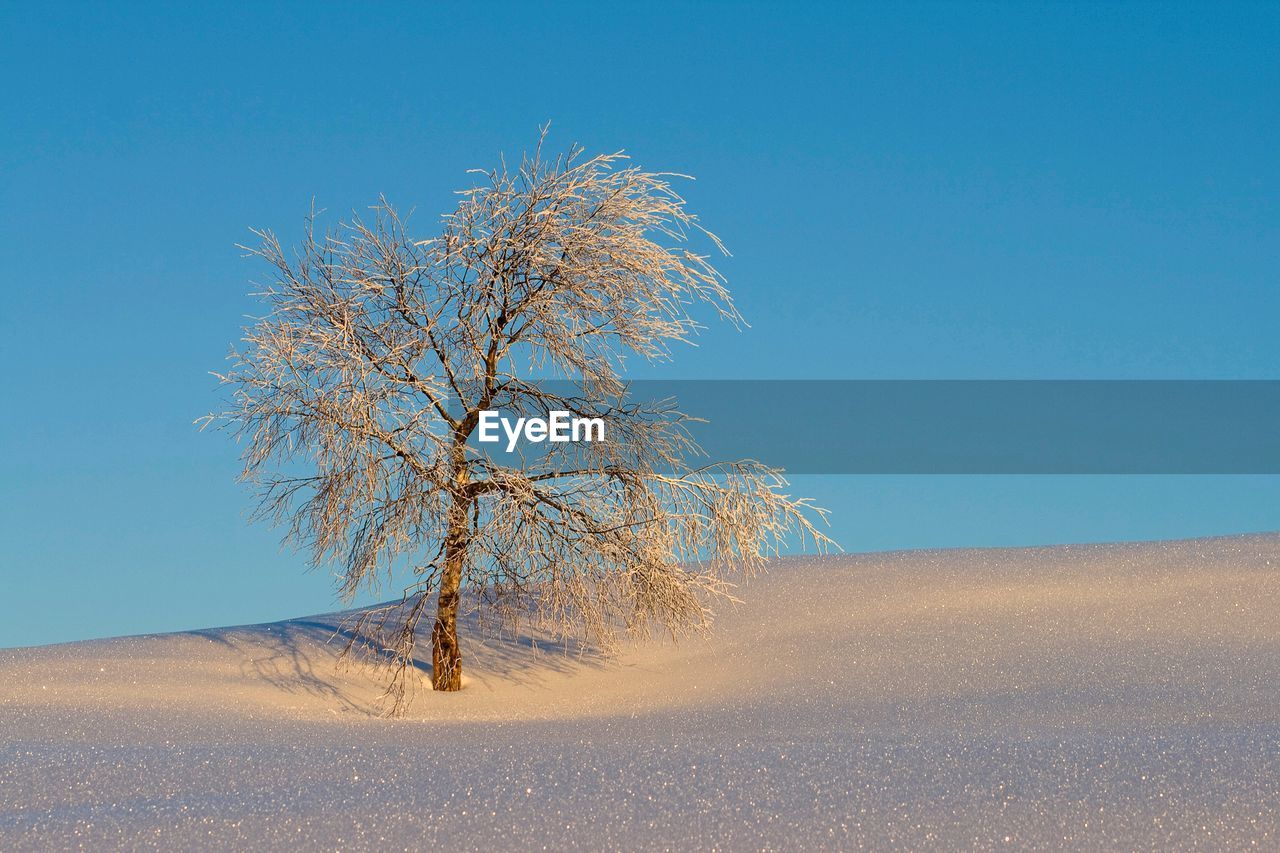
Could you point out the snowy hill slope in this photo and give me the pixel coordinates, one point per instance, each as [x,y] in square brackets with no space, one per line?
[1120,695]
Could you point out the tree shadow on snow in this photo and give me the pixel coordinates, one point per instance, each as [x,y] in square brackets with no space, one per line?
[303,656]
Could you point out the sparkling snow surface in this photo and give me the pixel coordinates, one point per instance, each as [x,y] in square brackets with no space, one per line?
[1115,696]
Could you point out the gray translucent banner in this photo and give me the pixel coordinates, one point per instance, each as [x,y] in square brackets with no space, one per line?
[982,426]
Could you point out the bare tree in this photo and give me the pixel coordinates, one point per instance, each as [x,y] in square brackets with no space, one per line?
[358,391]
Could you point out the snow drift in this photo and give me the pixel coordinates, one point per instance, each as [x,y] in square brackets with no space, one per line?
[1122,695]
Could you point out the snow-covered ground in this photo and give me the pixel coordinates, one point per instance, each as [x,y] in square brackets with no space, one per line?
[1119,696]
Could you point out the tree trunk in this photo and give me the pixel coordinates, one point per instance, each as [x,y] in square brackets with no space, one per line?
[446,656]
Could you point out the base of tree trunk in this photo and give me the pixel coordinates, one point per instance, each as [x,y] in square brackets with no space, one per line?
[446,660]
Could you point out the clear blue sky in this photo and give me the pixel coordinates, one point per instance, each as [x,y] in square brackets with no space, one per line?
[924,191]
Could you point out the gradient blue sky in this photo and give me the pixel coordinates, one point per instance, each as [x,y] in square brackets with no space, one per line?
[923,191]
